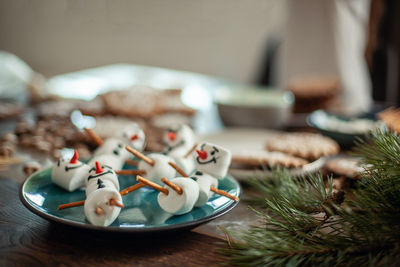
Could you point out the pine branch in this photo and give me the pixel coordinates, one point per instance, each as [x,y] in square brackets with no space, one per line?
[364,231]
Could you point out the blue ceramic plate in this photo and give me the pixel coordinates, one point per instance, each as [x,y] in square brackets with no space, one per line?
[141,213]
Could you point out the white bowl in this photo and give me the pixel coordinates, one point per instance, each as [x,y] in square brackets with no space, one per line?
[254,106]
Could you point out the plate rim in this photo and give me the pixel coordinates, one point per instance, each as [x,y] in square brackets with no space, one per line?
[155,229]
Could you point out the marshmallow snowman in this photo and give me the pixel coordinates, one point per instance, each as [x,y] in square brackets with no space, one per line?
[103,172]
[100,199]
[133,136]
[205,181]
[113,152]
[213,160]
[102,187]
[70,174]
[178,139]
[176,203]
[161,168]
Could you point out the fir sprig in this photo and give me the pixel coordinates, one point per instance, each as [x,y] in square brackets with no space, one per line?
[304,224]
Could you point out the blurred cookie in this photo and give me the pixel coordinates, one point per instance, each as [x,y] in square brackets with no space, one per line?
[308,146]
[391,117]
[313,92]
[106,126]
[260,158]
[31,167]
[170,102]
[9,109]
[60,108]
[138,101]
[344,166]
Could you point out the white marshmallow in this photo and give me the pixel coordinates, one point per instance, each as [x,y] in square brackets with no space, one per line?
[204,181]
[179,204]
[216,161]
[98,183]
[132,136]
[110,160]
[178,140]
[69,176]
[113,146]
[107,174]
[100,198]
[160,169]
[186,164]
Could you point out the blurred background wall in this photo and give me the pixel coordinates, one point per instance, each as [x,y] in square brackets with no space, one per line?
[225,38]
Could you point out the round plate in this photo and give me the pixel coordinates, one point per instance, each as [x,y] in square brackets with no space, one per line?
[141,213]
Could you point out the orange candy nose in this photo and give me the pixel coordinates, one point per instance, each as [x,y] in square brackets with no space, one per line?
[75,157]
[134,137]
[98,168]
[202,154]
[171,136]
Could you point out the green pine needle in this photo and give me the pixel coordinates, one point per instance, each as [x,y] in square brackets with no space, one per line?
[303,223]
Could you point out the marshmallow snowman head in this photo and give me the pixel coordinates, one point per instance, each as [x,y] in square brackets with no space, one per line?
[178,139]
[69,174]
[113,146]
[100,198]
[133,136]
[103,172]
[179,203]
[213,160]
[160,169]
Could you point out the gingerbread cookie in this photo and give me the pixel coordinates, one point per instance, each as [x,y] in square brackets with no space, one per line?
[9,109]
[138,101]
[304,145]
[391,117]
[259,158]
[344,166]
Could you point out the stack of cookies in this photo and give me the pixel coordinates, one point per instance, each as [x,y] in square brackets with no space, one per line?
[290,150]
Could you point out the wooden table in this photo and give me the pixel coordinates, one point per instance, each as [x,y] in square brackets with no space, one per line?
[27,239]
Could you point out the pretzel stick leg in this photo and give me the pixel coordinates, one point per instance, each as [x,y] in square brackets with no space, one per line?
[132,188]
[191,150]
[175,187]
[179,170]
[99,211]
[113,202]
[153,185]
[97,139]
[71,205]
[223,193]
[140,155]
[130,172]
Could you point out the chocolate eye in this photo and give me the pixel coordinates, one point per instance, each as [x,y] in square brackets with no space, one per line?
[116,152]
[212,153]
[120,145]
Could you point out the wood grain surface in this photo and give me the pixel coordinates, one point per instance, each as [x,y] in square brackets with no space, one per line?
[28,240]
